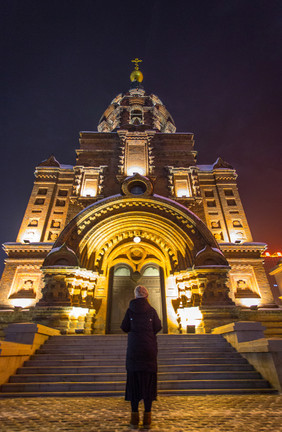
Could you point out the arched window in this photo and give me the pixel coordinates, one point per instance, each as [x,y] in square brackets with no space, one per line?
[136,116]
[121,271]
[151,271]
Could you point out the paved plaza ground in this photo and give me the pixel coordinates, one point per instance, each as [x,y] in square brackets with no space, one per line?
[252,413]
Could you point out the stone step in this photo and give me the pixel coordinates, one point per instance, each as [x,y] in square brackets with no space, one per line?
[108,340]
[122,346]
[120,385]
[121,362]
[119,369]
[160,337]
[95,365]
[121,356]
[178,392]
[121,350]
[162,376]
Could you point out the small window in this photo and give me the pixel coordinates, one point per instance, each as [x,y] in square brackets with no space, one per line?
[136,116]
[237,223]
[137,188]
[218,236]
[234,212]
[228,192]
[182,189]
[90,187]
[240,236]
[56,224]
[241,284]
[52,236]
[42,191]
[215,224]
[60,203]
[231,202]
[209,193]
[62,192]
[29,236]
[211,203]
[39,201]
[33,223]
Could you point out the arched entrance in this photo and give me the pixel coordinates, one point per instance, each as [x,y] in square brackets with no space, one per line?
[122,282]
[136,233]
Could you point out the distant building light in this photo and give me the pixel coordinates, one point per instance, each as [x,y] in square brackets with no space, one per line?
[272,255]
[137,239]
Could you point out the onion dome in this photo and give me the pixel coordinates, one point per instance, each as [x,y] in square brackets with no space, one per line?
[136,110]
[136,75]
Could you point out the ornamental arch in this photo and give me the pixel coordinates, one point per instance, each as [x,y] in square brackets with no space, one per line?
[135,232]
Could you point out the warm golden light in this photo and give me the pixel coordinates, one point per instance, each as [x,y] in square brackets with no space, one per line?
[237,237]
[182,193]
[181,185]
[272,255]
[135,170]
[78,312]
[190,316]
[22,302]
[90,187]
[89,192]
[248,302]
[31,236]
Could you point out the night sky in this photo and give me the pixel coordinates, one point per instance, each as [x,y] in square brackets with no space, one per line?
[216,65]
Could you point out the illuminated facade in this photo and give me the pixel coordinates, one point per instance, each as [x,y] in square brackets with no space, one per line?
[135,208]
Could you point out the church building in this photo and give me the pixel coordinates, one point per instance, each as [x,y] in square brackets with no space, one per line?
[136,208]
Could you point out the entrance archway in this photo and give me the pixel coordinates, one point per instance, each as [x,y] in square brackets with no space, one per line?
[138,232]
[122,282]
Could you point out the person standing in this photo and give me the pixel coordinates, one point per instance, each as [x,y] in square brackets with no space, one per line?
[142,324]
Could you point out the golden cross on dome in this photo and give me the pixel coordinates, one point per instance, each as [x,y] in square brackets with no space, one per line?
[136,61]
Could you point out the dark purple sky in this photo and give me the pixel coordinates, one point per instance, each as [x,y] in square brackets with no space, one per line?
[217,66]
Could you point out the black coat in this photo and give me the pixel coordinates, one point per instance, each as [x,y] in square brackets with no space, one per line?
[142,323]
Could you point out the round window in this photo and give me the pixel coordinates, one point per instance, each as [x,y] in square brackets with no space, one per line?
[137,188]
[137,185]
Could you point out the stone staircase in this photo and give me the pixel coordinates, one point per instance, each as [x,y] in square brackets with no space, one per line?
[94,365]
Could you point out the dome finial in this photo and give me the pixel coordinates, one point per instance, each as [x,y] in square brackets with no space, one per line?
[136,75]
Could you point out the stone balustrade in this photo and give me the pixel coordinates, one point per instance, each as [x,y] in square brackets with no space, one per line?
[21,341]
[247,337]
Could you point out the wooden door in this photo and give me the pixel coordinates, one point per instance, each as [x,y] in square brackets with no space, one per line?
[122,284]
